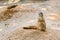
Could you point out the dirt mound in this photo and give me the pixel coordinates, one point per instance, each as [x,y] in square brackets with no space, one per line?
[7,14]
[10,11]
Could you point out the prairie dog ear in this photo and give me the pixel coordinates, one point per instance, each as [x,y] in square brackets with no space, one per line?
[13,6]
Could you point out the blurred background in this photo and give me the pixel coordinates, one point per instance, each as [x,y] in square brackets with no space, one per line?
[15,1]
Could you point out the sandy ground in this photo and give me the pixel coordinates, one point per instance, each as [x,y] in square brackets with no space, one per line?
[27,15]
[21,34]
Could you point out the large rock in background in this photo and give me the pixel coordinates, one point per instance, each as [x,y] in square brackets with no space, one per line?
[22,0]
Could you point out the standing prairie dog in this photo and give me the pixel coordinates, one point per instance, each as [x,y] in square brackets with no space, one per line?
[41,22]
